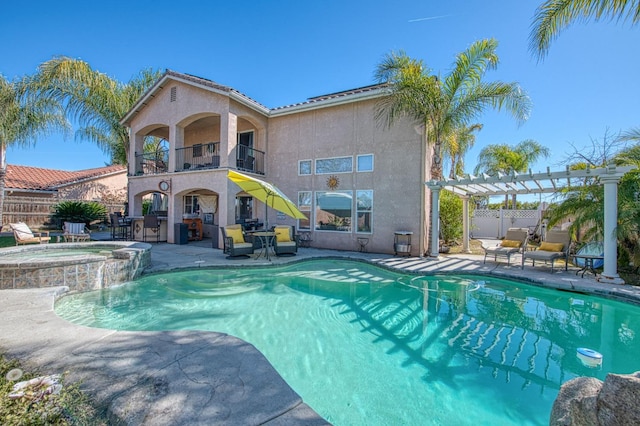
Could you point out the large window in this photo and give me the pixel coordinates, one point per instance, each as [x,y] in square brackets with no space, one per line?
[334,165]
[334,211]
[304,205]
[364,210]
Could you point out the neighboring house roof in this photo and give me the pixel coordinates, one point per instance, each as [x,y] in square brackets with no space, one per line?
[351,95]
[26,178]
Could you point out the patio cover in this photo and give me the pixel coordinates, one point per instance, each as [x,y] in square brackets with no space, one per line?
[535,183]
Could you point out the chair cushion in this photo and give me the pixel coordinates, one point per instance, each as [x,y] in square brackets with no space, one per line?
[74,228]
[282,234]
[510,243]
[546,246]
[242,245]
[236,234]
[21,230]
[287,244]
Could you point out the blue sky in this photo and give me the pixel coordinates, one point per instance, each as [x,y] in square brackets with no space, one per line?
[282,52]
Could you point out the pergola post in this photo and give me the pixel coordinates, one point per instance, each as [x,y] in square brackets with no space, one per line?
[465,224]
[435,221]
[610,268]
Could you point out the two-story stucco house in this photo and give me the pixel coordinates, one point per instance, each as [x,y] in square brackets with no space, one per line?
[354,178]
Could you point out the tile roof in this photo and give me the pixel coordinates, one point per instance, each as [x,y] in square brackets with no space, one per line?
[36,178]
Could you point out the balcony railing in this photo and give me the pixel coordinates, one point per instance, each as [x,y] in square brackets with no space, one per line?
[199,156]
[249,159]
[151,163]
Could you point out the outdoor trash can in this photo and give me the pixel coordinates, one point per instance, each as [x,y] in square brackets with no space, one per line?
[181,231]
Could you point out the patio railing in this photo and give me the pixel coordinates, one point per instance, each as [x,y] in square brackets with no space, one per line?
[249,159]
[199,156]
[151,163]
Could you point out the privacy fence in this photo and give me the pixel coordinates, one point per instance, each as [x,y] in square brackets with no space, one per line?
[495,223]
[36,212]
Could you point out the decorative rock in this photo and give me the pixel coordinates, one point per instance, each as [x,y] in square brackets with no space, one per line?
[586,401]
[576,403]
[618,400]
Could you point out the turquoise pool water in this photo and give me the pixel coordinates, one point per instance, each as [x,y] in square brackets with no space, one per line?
[364,345]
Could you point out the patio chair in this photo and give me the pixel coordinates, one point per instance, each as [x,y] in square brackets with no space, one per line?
[24,235]
[514,242]
[75,232]
[286,241]
[151,222]
[234,242]
[556,245]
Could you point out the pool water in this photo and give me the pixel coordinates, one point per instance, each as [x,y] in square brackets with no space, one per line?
[364,345]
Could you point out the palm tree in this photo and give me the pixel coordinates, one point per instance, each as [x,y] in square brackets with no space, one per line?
[22,119]
[584,206]
[457,144]
[552,16]
[505,159]
[442,105]
[94,100]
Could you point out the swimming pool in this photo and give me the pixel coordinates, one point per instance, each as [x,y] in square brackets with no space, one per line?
[365,345]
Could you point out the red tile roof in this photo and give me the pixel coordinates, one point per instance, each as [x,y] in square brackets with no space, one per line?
[36,178]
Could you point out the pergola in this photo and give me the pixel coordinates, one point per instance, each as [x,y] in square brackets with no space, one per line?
[535,183]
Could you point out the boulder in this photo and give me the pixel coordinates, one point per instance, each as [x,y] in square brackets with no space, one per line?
[586,401]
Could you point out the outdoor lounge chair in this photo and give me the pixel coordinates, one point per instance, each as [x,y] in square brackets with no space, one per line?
[234,242]
[514,242]
[75,232]
[556,245]
[24,235]
[286,241]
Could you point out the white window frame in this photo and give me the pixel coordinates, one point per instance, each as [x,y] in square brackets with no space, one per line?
[315,168]
[370,212]
[310,167]
[358,163]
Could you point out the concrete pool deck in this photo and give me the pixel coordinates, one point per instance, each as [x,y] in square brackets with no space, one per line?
[204,378]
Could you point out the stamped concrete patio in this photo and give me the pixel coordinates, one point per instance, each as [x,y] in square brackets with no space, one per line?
[205,378]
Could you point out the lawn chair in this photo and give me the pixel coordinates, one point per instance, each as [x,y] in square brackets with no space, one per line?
[24,235]
[556,245]
[514,242]
[75,232]
[234,242]
[286,241]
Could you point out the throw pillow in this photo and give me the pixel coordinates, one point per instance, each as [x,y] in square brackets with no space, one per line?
[510,243]
[551,246]
[236,234]
[282,234]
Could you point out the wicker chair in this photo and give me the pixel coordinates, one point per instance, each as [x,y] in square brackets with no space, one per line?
[234,242]
[286,240]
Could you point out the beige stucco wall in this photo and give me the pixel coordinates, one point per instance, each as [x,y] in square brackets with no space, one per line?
[351,130]
[108,187]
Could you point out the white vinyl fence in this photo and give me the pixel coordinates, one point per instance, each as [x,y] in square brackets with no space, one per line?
[494,223]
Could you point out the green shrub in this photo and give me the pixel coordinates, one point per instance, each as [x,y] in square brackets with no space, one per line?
[80,212]
[450,217]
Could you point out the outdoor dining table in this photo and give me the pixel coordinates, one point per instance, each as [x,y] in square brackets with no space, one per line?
[266,238]
[588,262]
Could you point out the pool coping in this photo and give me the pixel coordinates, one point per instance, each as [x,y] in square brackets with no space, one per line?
[196,377]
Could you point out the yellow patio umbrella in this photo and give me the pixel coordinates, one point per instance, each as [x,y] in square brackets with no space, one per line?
[267,193]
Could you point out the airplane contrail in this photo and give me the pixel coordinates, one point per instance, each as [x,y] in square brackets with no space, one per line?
[429,18]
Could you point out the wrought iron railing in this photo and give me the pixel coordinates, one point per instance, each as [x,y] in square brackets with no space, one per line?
[199,156]
[151,163]
[249,159]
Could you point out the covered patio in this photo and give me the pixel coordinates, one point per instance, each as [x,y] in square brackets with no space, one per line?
[535,183]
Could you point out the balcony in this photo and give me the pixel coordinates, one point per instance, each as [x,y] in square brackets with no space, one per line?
[249,159]
[198,157]
[152,163]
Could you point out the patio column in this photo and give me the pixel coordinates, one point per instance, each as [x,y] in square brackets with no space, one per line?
[435,220]
[465,224]
[610,272]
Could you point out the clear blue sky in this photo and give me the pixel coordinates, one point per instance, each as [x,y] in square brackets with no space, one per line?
[282,52]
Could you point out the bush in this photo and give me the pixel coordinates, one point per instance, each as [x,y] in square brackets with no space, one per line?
[79,212]
[450,217]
